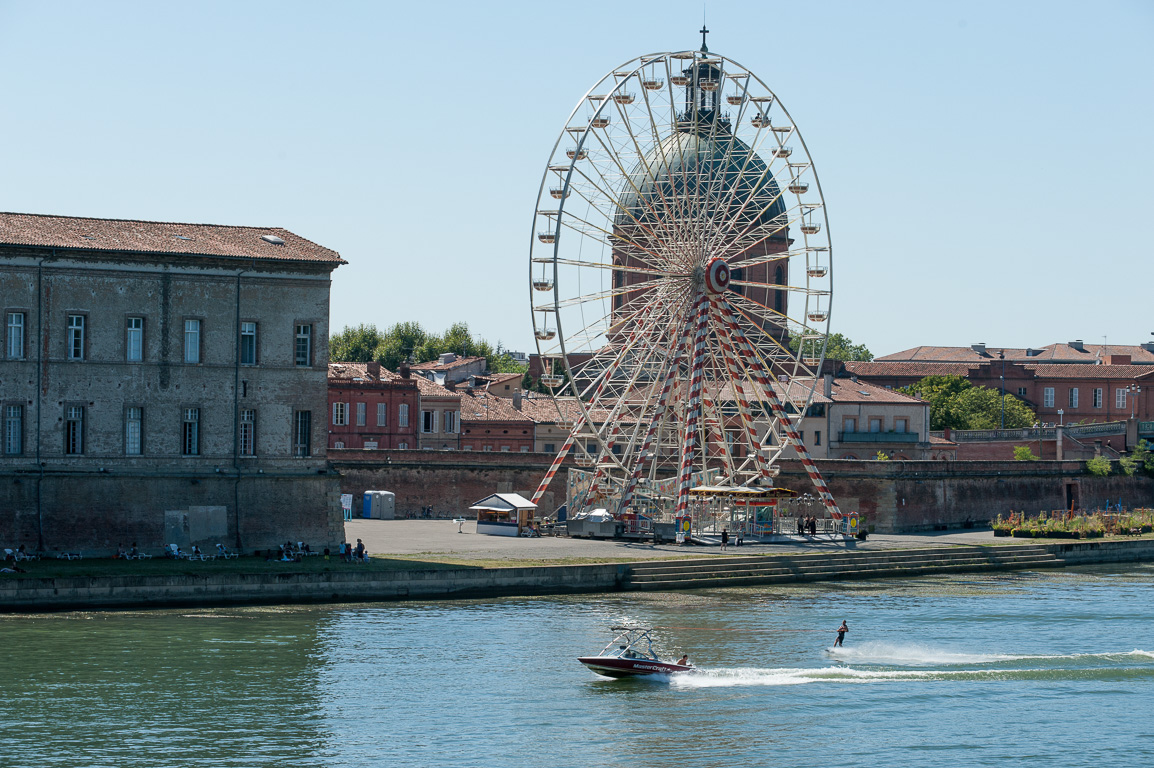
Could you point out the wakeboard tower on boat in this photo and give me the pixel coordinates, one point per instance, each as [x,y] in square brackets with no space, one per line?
[631,654]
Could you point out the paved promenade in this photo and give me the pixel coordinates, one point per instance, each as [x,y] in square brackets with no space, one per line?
[440,537]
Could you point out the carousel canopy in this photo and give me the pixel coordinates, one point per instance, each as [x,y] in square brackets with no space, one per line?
[742,491]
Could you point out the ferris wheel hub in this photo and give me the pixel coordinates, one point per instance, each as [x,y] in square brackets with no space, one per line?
[717,276]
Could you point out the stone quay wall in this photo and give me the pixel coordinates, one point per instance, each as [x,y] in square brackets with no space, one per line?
[895,496]
[92,512]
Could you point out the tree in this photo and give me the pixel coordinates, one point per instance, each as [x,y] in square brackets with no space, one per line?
[840,347]
[355,345]
[955,403]
[1141,458]
[405,340]
[981,408]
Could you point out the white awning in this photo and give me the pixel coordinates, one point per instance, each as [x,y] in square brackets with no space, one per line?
[503,502]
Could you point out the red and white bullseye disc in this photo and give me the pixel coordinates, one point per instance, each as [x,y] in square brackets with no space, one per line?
[717,276]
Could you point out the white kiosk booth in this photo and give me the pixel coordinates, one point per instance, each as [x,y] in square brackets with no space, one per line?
[503,514]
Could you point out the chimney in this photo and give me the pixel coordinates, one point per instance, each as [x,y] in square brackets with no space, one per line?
[517,399]
[828,385]
[403,370]
[979,348]
[374,368]
[1077,345]
[1117,360]
[446,358]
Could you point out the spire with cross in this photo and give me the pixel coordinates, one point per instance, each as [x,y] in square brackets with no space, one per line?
[704,32]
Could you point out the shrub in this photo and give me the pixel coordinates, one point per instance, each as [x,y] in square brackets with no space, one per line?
[1099,465]
[1023,453]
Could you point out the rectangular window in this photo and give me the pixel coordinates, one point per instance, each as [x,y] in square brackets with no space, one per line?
[360,414]
[504,449]
[486,448]
[303,352]
[1047,397]
[901,425]
[192,341]
[248,432]
[76,325]
[817,437]
[403,446]
[340,414]
[13,430]
[1119,398]
[15,345]
[403,415]
[133,431]
[875,425]
[1097,397]
[1021,391]
[302,433]
[134,339]
[1073,397]
[428,421]
[74,430]
[550,447]
[190,436]
[450,422]
[524,449]
[382,414]
[851,425]
[248,343]
[339,445]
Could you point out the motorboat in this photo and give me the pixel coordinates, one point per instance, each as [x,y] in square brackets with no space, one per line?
[631,654]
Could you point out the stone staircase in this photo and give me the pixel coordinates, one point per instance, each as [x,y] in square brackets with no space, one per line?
[868,564]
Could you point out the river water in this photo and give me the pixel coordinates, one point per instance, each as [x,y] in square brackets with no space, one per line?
[1024,669]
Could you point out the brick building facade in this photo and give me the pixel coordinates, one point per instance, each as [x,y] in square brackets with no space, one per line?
[371,408]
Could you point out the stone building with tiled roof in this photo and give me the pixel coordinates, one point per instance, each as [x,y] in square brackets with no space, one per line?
[1057,392]
[449,369]
[439,420]
[171,375]
[491,423]
[1069,353]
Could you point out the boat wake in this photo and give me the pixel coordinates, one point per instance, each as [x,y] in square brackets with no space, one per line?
[881,663]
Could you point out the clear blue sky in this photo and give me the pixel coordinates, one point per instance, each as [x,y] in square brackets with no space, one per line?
[987,166]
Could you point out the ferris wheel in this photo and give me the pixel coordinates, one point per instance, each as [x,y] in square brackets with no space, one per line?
[681,279]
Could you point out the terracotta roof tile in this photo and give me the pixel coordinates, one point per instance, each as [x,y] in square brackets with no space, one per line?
[1051,353]
[913,368]
[481,406]
[130,236]
[433,365]
[429,389]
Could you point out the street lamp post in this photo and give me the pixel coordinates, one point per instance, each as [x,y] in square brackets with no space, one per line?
[1060,421]
[1002,355]
[1133,391]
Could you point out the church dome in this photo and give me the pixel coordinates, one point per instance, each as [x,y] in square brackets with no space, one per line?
[697,177]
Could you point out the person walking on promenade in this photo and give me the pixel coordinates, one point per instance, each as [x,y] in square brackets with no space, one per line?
[724,539]
[841,633]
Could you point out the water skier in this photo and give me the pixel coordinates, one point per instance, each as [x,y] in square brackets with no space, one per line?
[841,633]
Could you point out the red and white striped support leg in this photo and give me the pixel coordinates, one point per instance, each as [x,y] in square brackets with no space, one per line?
[736,377]
[693,407]
[754,365]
